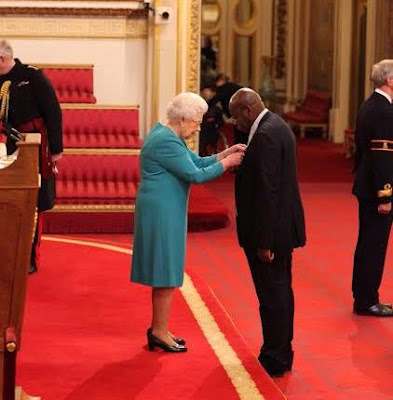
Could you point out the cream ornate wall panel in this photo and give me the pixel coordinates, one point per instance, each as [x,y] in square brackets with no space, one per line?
[111,35]
[119,66]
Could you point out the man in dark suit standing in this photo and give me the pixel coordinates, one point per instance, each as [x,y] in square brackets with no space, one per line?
[270,221]
[373,189]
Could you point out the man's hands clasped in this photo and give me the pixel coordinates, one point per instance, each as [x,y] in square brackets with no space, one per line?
[265,255]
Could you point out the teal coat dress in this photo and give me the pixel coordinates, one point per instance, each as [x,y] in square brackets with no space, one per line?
[168,167]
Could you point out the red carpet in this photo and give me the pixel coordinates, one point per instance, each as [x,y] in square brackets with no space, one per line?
[322,161]
[84,336]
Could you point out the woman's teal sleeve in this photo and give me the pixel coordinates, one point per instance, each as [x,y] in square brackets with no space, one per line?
[201,162]
[175,157]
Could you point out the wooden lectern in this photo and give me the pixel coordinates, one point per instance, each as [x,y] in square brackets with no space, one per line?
[19,183]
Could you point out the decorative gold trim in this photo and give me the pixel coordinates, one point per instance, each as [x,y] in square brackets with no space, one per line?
[381,141]
[193,46]
[103,152]
[372,149]
[387,190]
[75,11]
[20,394]
[116,208]
[87,243]
[63,66]
[63,27]
[88,106]
[114,1]
[193,34]
[10,347]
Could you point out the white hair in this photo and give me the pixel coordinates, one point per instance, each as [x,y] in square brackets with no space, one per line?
[185,105]
[381,71]
[6,49]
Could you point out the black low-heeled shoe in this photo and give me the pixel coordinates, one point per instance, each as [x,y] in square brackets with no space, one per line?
[154,342]
[175,339]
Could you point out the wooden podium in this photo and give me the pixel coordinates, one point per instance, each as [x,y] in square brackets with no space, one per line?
[19,183]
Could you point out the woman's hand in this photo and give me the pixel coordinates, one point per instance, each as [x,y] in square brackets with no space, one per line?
[233,160]
[233,149]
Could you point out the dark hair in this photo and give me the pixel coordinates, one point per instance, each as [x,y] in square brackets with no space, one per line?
[222,77]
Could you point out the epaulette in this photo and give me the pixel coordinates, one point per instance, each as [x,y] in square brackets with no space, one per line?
[4,100]
[32,66]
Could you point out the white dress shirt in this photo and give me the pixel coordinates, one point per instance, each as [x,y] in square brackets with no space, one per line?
[254,126]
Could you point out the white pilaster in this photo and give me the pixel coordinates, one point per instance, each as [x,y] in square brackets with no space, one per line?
[339,114]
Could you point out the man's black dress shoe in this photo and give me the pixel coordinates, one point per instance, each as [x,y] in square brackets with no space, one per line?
[377,310]
[175,339]
[275,371]
[154,342]
[33,269]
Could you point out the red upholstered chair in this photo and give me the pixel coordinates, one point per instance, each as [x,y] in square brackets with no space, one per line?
[312,112]
[97,179]
[95,126]
[95,193]
[72,83]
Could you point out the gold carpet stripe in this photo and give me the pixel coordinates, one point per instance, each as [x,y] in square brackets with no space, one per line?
[88,243]
[240,378]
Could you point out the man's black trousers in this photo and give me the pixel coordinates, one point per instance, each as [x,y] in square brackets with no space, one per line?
[369,260]
[273,285]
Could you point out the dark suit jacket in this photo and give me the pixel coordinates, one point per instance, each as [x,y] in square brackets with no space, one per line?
[373,168]
[269,208]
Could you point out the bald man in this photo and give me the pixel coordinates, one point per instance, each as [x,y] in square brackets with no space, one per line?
[270,221]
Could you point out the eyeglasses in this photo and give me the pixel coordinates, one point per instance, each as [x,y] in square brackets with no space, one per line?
[198,121]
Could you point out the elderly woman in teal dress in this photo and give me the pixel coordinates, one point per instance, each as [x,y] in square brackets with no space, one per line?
[168,167]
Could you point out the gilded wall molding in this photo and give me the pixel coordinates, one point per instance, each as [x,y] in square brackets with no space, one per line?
[193,45]
[281,39]
[72,27]
[73,11]
[193,34]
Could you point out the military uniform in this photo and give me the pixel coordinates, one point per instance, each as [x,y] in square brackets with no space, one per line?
[31,105]
[372,186]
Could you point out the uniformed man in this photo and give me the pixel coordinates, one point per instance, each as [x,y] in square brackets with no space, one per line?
[373,189]
[28,103]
